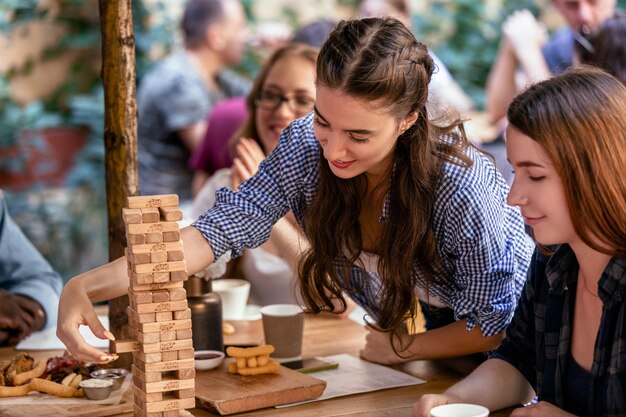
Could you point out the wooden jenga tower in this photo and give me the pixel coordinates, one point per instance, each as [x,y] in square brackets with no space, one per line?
[158,315]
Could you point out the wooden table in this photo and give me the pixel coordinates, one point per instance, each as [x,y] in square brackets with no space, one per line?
[326,335]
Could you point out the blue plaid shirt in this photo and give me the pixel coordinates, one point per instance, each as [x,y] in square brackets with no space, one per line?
[480,238]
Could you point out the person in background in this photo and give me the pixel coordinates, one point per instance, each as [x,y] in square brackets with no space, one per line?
[565,344]
[445,92]
[29,287]
[177,94]
[526,46]
[283,91]
[395,209]
[314,33]
[608,47]
[214,154]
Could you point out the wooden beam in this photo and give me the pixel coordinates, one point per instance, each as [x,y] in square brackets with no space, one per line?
[120,138]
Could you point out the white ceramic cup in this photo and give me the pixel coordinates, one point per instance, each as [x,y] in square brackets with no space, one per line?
[234,294]
[459,410]
[283,325]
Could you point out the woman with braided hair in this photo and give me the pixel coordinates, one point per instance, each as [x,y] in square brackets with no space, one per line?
[395,209]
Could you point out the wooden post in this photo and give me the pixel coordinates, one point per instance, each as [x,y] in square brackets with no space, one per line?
[120,137]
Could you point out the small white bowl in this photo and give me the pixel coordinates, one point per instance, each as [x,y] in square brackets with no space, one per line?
[459,410]
[208,359]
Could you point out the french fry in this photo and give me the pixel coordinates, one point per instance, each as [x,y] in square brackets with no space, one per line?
[238,352]
[76,381]
[228,328]
[232,367]
[68,378]
[36,372]
[54,388]
[80,392]
[20,391]
[263,360]
[271,367]
[252,363]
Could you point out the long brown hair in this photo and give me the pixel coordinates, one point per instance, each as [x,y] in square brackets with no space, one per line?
[579,118]
[248,128]
[379,60]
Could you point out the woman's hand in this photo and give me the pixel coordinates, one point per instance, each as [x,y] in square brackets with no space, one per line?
[76,309]
[248,157]
[540,409]
[428,401]
[378,347]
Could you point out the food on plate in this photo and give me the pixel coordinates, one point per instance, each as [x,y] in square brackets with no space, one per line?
[252,361]
[54,388]
[22,362]
[22,378]
[15,391]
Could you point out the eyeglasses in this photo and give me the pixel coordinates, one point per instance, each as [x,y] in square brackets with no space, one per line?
[272,101]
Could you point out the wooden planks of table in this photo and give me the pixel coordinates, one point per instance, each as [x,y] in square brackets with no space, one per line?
[327,335]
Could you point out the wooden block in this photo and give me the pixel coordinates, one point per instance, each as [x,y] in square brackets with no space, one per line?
[137,280]
[138,258]
[136,239]
[150,215]
[183,334]
[138,412]
[140,297]
[164,316]
[160,267]
[157,247]
[185,393]
[175,255]
[161,200]
[143,376]
[171,236]
[158,257]
[174,413]
[124,345]
[167,346]
[161,277]
[133,333]
[169,335]
[148,337]
[166,385]
[140,318]
[131,216]
[169,405]
[149,357]
[158,286]
[145,397]
[182,315]
[170,214]
[165,326]
[160,227]
[185,354]
[189,373]
[169,356]
[166,366]
[161,296]
[176,294]
[155,237]
[178,276]
[160,307]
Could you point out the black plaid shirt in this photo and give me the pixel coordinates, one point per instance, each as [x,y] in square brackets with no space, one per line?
[538,338]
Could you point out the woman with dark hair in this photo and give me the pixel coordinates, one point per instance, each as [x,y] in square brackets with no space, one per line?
[395,208]
[607,47]
[566,342]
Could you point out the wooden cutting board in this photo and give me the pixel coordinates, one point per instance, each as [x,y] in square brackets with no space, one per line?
[86,409]
[224,393]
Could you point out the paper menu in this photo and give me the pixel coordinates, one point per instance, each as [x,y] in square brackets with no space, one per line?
[48,340]
[354,376]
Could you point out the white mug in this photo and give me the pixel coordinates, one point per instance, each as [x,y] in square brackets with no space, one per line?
[459,410]
[234,294]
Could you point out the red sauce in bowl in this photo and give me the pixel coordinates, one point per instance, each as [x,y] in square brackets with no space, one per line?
[204,356]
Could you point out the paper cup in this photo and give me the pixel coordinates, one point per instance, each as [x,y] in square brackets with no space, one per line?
[283,325]
[459,410]
[234,294]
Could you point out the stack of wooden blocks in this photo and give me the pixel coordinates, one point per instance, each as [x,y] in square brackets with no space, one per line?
[158,315]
